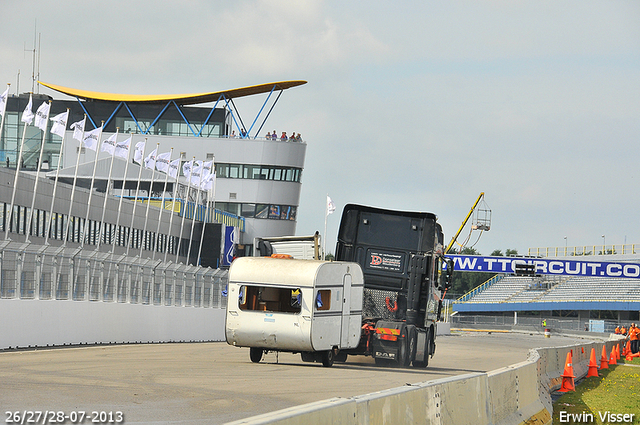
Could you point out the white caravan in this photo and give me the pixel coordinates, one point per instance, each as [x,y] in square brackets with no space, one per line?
[301,306]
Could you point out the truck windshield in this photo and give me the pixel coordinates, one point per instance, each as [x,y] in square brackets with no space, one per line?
[269,298]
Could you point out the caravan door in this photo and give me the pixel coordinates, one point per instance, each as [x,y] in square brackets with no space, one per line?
[351,310]
[346,310]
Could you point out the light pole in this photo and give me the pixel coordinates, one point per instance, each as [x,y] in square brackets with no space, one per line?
[604,245]
[565,246]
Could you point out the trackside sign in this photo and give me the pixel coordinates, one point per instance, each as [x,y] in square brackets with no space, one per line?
[472,263]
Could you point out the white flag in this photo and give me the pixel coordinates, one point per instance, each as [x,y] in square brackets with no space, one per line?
[186,169]
[206,169]
[139,153]
[331,207]
[27,115]
[59,125]
[195,176]
[207,182]
[3,101]
[78,129]
[109,144]
[90,139]
[162,162]
[122,149]
[150,160]
[42,116]
[174,166]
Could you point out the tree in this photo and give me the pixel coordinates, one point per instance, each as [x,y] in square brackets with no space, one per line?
[463,282]
[511,252]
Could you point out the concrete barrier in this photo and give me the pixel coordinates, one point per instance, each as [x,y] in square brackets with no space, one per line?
[516,394]
[31,323]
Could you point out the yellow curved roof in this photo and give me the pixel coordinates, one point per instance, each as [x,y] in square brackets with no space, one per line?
[182,99]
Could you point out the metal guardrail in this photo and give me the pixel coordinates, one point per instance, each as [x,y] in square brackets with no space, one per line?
[576,251]
[53,273]
[532,323]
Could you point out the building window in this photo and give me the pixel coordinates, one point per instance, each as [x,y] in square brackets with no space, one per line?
[258,172]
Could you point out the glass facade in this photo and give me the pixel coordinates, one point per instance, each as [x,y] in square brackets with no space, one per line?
[266,211]
[258,172]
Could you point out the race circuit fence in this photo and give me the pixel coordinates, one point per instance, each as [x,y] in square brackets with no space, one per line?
[55,273]
[532,324]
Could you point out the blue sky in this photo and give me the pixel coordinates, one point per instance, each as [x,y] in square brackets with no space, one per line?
[416,105]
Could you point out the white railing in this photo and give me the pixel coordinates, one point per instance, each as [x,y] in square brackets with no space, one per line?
[574,251]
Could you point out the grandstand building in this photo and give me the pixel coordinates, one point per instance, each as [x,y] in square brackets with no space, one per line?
[565,301]
[257,187]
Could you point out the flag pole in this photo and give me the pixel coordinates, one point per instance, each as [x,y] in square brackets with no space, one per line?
[124,179]
[135,200]
[35,186]
[15,180]
[324,234]
[73,188]
[164,189]
[206,210]
[93,179]
[173,212]
[4,112]
[195,210]
[184,209]
[106,191]
[55,186]
[146,214]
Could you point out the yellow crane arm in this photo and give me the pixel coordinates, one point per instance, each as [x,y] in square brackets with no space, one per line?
[464,222]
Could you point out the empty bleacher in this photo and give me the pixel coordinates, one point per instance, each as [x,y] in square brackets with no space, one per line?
[512,289]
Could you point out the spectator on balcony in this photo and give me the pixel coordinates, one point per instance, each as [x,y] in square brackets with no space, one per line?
[268,136]
[298,138]
[274,136]
[284,137]
[243,133]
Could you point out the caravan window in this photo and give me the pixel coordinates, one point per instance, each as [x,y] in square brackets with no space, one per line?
[323,300]
[268,298]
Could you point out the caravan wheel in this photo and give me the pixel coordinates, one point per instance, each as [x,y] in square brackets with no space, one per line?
[327,358]
[255,354]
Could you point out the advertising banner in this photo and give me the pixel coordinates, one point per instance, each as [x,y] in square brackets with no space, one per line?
[546,266]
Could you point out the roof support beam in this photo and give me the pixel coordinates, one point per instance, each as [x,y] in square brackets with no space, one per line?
[86,112]
[209,116]
[268,113]
[258,114]
[158,117]
[134,119]
[184,118]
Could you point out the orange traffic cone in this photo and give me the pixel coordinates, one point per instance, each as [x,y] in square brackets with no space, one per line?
[604,363]
[593,365]
[618,351]
[627,348]
[567,376]
[612,357]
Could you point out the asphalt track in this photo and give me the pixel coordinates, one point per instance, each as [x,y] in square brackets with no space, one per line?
[216,383]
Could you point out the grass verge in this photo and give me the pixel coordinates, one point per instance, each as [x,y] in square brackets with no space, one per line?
[616,391]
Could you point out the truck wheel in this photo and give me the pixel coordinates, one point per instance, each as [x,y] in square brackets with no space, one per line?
[255,354]
[327,358]
[411,346]
[427,345]
[401,358]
